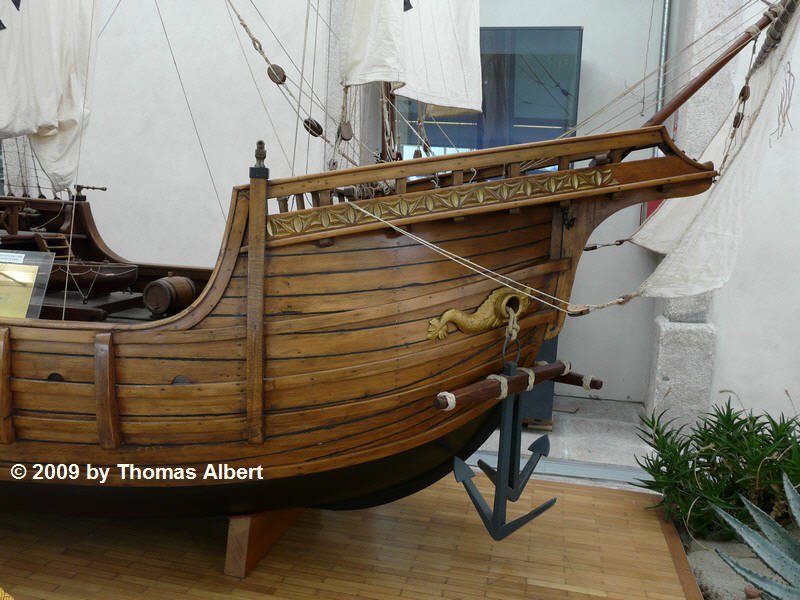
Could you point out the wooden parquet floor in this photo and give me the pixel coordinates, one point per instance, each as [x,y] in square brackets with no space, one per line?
[595,543]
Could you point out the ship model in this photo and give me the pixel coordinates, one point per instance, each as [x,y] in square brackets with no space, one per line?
[337,353]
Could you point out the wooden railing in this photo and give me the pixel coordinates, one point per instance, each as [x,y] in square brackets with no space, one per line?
[322,189]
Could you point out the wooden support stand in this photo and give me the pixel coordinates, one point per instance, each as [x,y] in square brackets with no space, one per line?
[250,537]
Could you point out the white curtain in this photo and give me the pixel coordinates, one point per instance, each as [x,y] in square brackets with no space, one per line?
[429,53]
[47,50]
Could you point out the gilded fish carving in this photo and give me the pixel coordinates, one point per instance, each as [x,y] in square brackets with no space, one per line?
[493,312]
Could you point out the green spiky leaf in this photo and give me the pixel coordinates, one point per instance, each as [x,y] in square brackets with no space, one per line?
[765,584]
[774,558]
[793,498]
[773,531]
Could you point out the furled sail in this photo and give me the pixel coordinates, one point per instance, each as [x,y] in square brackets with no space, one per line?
[45,78]
[429,52]
[701,237]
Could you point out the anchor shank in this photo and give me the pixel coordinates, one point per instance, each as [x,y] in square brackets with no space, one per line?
[504,483]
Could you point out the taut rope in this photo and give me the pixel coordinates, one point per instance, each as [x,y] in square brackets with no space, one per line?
[572,310]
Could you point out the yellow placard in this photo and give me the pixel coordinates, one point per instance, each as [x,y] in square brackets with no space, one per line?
[16,288]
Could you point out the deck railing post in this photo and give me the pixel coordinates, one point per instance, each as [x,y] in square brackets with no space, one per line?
[105,392]
[256,232]
[7,434]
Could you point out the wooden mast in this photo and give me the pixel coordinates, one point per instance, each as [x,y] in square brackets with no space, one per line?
[388,130]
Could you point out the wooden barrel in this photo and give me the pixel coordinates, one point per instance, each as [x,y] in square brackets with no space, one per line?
[169,295]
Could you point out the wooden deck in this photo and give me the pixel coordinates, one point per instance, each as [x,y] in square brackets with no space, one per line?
[595,543]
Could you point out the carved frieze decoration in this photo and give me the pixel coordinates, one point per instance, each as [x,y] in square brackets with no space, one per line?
[435,201]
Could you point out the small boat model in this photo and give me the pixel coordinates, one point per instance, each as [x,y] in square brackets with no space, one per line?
[312,356]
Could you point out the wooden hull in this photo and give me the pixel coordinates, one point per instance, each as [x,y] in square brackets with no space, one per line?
[358,486]
[307,354]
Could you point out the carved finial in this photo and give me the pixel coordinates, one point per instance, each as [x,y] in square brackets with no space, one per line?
[261,154]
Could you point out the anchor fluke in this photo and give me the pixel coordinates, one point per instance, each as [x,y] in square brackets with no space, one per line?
[510,528]
[541,446]
[538,449]
[490,471]
[462,471]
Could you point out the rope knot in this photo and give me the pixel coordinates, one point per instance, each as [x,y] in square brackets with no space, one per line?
[512,327]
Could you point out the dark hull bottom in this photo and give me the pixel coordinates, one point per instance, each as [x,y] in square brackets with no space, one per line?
[359,486]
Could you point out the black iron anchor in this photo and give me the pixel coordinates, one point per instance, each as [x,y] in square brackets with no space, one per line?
[508,481]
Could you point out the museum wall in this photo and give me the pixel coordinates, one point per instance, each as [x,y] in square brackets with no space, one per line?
[161,206]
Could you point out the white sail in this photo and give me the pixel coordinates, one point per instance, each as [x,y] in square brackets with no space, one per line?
[701,237]
[48,51]
[429,53]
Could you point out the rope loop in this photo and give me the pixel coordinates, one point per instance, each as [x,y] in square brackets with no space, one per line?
[503,381]
[586,382]
[753,31]
[449,398]
[531,377]
[567,367]
[773,12]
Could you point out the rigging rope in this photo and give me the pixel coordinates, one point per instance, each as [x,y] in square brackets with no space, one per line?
[647,54]
[6,182]
[317,102]
[328,79]
[313,71]
[189,107]
[22,178]
[744,96]
[34,161]
[111,16]
[522,289]
[342,117]
[78,164]
[707,52]
[300,94]
[258,88]
[436,122]
[671,61]
[287,93]
[488,273]
[397,111]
